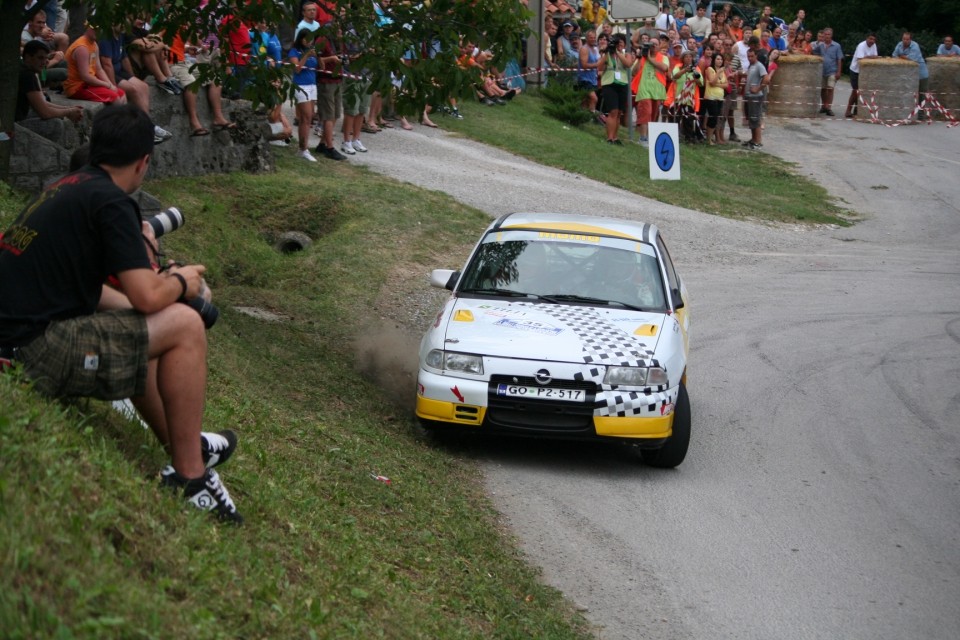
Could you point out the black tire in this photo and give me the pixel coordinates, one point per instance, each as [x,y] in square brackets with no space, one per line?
[672,453]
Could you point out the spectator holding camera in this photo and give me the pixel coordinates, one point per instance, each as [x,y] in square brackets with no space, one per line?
[650,82]
[75,336]
[613,68]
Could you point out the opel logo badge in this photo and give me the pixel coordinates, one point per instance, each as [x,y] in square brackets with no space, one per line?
[543,377]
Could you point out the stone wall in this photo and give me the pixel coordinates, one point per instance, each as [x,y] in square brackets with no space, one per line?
[42,148]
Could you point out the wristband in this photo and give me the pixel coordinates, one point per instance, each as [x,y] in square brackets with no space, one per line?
[183,283]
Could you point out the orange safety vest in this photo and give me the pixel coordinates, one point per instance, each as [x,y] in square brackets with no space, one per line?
[661,76]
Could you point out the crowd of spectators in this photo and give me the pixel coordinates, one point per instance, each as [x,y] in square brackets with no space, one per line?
[700,91]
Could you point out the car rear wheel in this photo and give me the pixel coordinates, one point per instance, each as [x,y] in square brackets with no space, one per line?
[672,453]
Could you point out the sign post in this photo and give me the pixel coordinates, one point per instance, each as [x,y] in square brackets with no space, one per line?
[664,151]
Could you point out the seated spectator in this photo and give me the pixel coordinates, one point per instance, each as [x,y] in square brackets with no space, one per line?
[37,29]
[180,73]
[948,48]
[148,55]
[30,94]
[116,66]
[267,51]
[86,79]
[140,344]
[57,43]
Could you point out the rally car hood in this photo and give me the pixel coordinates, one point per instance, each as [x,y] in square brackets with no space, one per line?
[544,331]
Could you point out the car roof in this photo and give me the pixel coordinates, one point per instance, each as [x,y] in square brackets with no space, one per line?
[572,223]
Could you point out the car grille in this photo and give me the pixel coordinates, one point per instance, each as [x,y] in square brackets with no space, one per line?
[541,416]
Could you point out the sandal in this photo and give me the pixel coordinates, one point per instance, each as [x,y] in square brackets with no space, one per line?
[225,126]
[369,128]
[385,124]
[427,123]
[199,132]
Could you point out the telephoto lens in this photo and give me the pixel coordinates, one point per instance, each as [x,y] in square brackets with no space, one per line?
[208,312]
[170,219]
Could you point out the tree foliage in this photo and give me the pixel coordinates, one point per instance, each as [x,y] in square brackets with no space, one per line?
[417,50]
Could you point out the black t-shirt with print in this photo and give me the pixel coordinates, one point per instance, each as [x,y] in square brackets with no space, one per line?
[57,254]
[27,83]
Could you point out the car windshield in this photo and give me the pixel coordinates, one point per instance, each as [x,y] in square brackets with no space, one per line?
[585,269]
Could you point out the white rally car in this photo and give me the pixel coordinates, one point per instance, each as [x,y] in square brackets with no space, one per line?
[562,326]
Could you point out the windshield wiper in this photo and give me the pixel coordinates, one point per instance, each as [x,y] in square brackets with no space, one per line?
[569,297]
[498,292]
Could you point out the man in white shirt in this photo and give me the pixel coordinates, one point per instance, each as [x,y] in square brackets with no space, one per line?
[700,25]
[866,49]
[665,21]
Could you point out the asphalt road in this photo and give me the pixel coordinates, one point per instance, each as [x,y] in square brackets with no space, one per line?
[821,494]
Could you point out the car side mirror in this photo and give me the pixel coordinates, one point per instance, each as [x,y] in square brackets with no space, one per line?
[444,278]
[677,298]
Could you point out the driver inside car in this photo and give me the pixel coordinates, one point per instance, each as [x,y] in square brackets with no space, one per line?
[623,276]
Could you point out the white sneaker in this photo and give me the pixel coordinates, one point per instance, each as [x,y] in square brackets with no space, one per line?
[306,155]
[347,148]
[278,143]
[358,146]
[160,135]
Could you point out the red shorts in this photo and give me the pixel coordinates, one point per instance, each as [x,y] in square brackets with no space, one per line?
[648,111]
[97,94]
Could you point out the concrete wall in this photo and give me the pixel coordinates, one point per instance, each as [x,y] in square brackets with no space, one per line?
[42,148]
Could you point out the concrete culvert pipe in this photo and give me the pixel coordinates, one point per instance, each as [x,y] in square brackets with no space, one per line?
[292,241]
[893,84]
[945,84]
[795,91]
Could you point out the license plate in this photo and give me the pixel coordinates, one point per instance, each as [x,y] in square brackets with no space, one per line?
[541,393]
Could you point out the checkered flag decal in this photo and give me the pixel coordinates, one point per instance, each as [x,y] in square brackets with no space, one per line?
[608,345]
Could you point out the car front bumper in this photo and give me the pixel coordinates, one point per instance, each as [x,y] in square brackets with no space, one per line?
[474,403]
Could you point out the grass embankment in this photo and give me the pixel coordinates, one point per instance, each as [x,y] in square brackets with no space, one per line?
[91,548]
[725,180]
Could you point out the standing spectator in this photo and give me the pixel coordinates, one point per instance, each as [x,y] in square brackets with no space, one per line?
[648,28]
[948,48]
[267,52]
[776,41]
[801,16]
[716,77]
[665,21]
[700,25]
[753,93]
[77,337]
[832,55]
[86,79]
[29,91]
[587,74]
[866,49]
[907,49]
[568,57]
[303,58]
[614,67]
[329,96]
[356,96]
[650,85]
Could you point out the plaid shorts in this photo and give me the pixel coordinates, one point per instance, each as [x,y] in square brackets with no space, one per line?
[103,356]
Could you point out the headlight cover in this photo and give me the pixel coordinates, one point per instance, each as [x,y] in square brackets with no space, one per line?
[635,376]
[454,361]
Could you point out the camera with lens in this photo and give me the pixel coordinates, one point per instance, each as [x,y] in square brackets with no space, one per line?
[645,49]
[170,219]
[696,75]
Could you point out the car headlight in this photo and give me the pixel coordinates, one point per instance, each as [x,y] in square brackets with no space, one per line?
[453,361]
[635,376]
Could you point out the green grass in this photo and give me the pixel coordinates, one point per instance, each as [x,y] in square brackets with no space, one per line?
[722,180]
[91,548]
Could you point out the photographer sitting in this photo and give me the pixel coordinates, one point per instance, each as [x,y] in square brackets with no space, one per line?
[77,337]
[613,68]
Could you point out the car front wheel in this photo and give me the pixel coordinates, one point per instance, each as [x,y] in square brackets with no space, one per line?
[672,453]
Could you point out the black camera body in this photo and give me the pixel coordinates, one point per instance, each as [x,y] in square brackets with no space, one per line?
[170,219]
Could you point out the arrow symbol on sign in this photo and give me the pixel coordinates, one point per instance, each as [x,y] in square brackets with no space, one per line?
[456,392]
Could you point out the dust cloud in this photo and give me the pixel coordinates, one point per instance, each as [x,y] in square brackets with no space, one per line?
[387,356]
